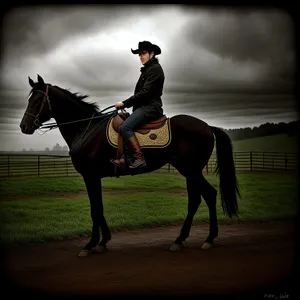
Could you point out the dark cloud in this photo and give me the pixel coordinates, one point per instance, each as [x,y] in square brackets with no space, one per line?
[234,51]
[34,30]
[13,101]
[231,104]
[249,112]
[244,34]
[233,121]
[203,86]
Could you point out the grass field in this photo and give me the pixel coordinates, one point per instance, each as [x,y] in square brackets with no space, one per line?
[272,143]
[35,210]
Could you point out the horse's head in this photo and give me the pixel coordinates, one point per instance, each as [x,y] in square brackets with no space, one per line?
[38,109]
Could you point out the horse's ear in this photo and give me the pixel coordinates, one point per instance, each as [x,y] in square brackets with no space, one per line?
[31,82]
[40,79]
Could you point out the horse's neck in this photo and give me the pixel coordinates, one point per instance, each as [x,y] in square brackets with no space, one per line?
[71,132]
[66,110]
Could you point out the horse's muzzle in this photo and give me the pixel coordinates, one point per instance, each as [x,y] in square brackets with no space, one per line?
[27,129]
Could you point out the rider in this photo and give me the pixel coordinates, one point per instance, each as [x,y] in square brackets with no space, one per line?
[146,102]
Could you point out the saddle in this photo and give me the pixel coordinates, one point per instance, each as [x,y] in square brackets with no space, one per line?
[143,130]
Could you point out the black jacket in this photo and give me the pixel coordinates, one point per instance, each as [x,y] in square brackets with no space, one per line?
[148,90]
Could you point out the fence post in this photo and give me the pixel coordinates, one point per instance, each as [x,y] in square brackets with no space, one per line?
[169,168]
[207,169]
[263,160]
[251,161]
[38,166]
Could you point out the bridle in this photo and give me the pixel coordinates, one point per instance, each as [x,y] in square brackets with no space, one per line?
[36,121]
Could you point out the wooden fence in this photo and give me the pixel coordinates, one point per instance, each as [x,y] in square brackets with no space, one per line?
[55,165]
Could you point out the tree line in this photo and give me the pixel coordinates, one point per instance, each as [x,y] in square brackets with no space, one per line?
[291,128]
[56,148]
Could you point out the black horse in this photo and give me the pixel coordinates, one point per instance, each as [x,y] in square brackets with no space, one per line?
[83,127]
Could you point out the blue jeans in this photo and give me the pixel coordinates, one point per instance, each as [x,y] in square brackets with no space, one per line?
[134,121]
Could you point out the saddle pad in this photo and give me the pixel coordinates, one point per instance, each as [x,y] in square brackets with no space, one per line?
[155,138]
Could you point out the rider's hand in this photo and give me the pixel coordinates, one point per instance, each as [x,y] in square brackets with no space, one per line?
[119,105]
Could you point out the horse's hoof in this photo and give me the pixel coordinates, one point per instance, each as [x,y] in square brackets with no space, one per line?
[206,246]
[175,247]
[99,249]
[83,253]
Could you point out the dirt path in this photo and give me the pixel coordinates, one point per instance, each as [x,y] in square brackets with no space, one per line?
[247,257]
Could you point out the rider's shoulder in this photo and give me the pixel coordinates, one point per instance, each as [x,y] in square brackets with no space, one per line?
[155,68]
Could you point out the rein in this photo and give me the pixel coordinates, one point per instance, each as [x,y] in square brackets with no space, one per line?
[55,125]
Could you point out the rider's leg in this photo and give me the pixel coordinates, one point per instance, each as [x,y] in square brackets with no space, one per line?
[134,121]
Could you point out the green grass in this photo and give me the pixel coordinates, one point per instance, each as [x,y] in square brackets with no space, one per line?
[150,200]
[43,186]
[272,143]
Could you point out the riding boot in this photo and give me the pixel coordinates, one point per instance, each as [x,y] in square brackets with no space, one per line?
[137,154]
[120,159]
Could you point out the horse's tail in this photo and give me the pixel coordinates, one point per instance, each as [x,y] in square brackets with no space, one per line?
[226,170]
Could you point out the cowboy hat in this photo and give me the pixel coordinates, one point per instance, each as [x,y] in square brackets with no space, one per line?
[148,46]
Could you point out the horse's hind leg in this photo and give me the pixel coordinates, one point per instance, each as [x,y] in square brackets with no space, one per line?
[194,200]
[209,194]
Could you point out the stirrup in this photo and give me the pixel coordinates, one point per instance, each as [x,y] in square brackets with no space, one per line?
[118,163]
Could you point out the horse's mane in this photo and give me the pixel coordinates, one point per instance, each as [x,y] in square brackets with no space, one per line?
[79,97]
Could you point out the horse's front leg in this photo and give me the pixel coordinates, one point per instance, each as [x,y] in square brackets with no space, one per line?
[94,190]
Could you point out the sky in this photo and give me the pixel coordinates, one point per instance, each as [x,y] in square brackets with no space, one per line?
[230,67]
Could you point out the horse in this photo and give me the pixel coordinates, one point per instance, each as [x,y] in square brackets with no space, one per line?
[84,129]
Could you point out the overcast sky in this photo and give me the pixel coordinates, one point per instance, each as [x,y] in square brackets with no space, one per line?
[231,68]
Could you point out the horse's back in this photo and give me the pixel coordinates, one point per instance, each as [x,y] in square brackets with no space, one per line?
[190,125]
